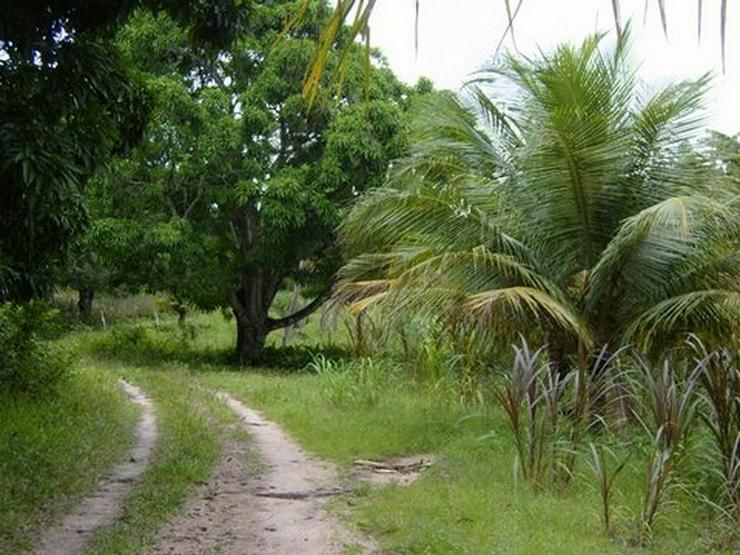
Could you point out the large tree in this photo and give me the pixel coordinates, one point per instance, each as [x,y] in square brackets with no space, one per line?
[561,202]
[239,183]
[67,103]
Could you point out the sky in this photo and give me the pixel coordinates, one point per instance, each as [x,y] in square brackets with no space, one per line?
[456,37]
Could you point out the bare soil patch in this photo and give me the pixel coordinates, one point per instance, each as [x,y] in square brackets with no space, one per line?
[102,507]
[400,470]
[219,518]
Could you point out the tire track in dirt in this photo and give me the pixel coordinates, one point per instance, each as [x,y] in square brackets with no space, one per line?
[101,507]
[279,510]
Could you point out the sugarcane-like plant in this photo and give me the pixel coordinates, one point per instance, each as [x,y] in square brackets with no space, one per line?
[720,393]
[606,476]
[558,199]
[666,407]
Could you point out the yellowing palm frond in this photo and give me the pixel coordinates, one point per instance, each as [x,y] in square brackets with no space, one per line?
[493,308]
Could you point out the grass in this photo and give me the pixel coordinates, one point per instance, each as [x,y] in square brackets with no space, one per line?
[400,422]
[470,501]
[53,449]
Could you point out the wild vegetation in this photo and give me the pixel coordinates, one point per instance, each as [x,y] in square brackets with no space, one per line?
[535,282]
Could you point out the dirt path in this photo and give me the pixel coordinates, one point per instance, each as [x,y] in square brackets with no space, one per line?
[279,510]
[102,506]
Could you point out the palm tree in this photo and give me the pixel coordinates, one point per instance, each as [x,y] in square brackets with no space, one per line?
[573,210]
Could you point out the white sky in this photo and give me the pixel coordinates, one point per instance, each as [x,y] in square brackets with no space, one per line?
[456,37]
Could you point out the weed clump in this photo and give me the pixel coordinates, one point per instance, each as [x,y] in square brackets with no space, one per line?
[29,362]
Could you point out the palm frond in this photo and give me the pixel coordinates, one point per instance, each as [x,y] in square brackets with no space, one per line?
[657,252]
[442,216]
[714,313]
[494,309]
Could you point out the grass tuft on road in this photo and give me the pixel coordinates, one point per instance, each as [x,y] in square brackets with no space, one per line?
[191,424]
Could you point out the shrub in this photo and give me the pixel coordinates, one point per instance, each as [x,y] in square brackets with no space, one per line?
[298,357]
[142,344]
[549,412]
[29,362]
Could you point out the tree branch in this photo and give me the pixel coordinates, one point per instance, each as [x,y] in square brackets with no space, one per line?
[277,323]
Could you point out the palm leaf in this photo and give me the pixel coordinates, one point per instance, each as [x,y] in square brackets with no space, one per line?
[714,313]
[494,309]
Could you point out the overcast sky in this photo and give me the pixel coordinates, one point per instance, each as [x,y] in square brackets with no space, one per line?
[458,36]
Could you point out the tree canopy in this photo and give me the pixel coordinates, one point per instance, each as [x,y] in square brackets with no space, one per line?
[237,185]
[67,103]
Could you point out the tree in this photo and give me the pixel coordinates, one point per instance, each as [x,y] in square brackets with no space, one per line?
[248,182]
[67,103]
[568,210]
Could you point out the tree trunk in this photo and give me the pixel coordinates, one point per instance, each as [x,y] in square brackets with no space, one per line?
[251,304]
[85,302]
[250,340]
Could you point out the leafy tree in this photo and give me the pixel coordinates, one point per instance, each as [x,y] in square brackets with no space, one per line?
[569,210]
[238,184]
[67,103]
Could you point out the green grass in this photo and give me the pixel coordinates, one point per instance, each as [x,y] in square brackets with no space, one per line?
[191,424]
[400,422]
[53,449]
[470,501]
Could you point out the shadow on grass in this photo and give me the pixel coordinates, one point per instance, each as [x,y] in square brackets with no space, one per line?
[147,346]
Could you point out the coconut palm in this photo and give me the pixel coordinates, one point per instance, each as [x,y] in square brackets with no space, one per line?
[572,210]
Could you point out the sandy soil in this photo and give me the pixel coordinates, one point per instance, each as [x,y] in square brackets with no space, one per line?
[279,510]
[218,519]
[102,507]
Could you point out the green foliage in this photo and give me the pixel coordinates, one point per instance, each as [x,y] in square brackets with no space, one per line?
[606,478]
[468,501]
[237,185]
[29,362]
[572,210]
[68,102]
[667,407]
[59,121]
[720,397]
[644,423]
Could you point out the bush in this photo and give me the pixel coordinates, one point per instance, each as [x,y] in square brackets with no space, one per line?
[29,362]
[138,343]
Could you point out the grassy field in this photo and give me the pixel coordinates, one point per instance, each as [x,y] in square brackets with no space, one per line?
[470,501]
